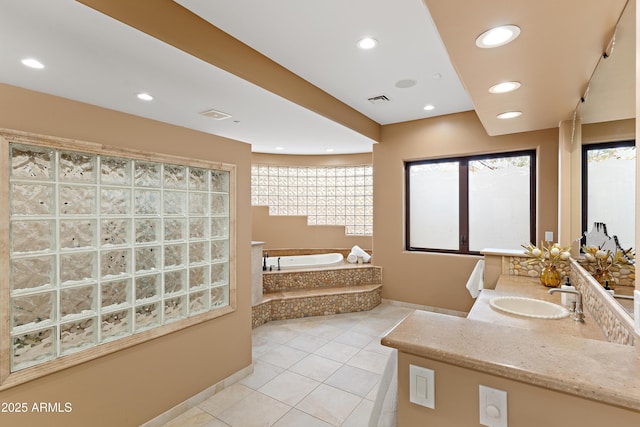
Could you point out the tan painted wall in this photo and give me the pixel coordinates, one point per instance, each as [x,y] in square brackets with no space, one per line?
[457,401]
[618,130]
[439,279]
[131,386]
[292,232]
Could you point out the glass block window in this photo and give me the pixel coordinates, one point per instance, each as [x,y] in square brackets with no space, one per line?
[104,247]
[340,195]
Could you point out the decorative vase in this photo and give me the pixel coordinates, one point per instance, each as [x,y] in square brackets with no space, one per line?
[550,276]
[604,276]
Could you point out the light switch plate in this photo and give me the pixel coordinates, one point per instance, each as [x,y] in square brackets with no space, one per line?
[493,407]
[548,236]
[422,386]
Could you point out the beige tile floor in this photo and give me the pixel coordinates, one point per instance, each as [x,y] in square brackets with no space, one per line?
[312,372]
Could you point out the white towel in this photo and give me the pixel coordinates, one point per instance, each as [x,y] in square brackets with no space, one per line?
[476,281]
[357,251]
[352,258]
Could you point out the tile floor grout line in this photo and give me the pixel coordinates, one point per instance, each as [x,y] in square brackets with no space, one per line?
[334,329]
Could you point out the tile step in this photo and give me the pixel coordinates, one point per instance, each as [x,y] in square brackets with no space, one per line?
[315,302]
[306,293]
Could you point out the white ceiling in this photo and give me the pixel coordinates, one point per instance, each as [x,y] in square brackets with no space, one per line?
[317,41]
[93,58]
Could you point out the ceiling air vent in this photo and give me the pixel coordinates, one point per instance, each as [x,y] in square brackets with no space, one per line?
[380,99]
[215,114]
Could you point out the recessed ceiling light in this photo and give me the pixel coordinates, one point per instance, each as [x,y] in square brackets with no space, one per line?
[498,36]
[429,107]
[367,43]
[145,96]
[509,115]
[32,63]
[504,87]
[279,148]
[329,150]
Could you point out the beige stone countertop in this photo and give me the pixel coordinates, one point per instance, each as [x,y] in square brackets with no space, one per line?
[532,288]
[558,359]
[587,368]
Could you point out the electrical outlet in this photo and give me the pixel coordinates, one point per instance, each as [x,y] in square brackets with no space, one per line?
[422,386]
[548,236]
[493,407]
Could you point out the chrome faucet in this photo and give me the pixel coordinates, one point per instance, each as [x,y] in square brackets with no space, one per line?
[619,296]
[578,314]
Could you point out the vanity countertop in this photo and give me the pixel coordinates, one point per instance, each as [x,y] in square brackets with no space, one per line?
[498,344]
[532,288]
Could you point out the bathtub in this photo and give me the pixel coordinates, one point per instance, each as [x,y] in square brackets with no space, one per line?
[305,261]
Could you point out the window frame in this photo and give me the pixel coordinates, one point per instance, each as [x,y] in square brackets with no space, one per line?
[585,178]
[463,197]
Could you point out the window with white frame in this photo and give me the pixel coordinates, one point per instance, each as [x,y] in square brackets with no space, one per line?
[466,204]
[106,245]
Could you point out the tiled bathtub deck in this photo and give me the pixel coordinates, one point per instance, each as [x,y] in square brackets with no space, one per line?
[312,372]
[315,292]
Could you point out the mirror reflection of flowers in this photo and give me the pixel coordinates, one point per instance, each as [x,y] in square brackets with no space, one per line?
[549,255]
[603,260]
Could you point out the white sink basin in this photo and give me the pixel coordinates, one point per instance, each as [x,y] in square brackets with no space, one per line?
[529,307]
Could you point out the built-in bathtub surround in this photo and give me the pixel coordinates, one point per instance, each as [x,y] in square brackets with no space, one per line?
[302,261]
[274,281]
[318,292]
[340,195]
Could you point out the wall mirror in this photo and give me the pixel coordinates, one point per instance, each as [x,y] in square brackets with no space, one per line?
[611,96]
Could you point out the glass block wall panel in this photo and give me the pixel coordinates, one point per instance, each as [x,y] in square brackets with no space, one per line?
[115,324]
[115,294]
[341,195]
[74,166]
[32,348]
[115,171]
[76,234]
[32,162]
[32,236]
[104,247]
[77,335]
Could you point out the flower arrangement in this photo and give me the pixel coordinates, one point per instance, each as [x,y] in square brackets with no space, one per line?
[548,257]
[603,260]
[550,254]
